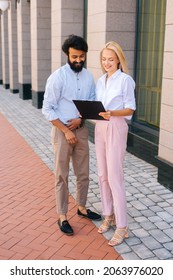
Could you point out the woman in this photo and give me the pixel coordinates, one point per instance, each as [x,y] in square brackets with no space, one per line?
[116,91]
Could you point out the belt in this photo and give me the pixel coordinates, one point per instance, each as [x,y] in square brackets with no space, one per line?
[81,124]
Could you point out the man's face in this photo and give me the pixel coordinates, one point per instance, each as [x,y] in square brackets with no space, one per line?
[76,59]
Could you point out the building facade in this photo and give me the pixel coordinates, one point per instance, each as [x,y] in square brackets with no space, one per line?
[31,35]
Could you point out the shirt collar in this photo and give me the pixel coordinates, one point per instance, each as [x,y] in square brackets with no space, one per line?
[116,74]
[68,66]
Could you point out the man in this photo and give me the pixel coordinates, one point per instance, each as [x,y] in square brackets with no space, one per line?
[69,133]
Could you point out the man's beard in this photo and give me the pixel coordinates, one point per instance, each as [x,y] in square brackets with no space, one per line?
[76,66]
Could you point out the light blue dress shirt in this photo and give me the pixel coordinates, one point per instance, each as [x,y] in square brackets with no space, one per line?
[62,87]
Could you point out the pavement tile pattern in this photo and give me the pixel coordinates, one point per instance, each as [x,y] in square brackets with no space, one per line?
[27,209]
[27,204]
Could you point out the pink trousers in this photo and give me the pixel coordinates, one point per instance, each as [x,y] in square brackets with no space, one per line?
[110,144]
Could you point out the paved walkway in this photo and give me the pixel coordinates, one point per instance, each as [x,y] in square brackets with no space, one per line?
[28,227]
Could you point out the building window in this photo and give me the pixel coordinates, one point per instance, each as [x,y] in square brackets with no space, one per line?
[149,60]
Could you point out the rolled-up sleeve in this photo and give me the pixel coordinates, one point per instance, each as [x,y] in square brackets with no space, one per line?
[51,96]
[129,93]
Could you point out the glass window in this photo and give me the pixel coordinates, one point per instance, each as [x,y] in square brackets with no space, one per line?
[149,60]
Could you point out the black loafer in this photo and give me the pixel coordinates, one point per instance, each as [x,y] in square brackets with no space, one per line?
[90,215]
[65,227]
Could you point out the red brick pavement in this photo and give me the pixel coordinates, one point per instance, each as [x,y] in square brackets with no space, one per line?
[28,228]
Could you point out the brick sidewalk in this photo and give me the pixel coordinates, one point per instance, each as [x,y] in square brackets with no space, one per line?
[27,210]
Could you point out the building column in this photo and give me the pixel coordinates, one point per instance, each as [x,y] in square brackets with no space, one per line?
[110,21]
[67,18]
[165,154]
[24,48]
[4,44]
[40,48]
[12,41]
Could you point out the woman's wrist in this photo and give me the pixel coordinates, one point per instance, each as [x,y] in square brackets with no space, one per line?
[111,113]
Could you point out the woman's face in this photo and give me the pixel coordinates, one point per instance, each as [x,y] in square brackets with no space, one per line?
[109,61]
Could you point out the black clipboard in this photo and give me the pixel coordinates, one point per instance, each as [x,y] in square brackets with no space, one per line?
[90,109]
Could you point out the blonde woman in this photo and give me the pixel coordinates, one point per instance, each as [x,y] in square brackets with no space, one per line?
[116,91]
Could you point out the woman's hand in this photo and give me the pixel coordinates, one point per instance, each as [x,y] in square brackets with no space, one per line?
[106,115]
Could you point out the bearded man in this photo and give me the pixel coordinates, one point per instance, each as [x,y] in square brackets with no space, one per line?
[69,133]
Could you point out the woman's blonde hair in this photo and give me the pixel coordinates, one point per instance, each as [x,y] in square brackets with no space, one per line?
[119,52]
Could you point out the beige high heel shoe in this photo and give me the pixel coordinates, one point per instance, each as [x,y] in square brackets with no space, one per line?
[118,237]
[108,222]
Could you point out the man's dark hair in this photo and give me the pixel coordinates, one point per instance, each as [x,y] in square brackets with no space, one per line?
[75,42]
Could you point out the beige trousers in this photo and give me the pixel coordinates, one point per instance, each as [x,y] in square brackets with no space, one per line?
[79,154]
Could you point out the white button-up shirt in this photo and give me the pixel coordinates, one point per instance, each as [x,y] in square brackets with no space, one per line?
[62,87]
[117,93]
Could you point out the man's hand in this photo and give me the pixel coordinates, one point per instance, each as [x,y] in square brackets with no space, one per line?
[70,137]
[74,123]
